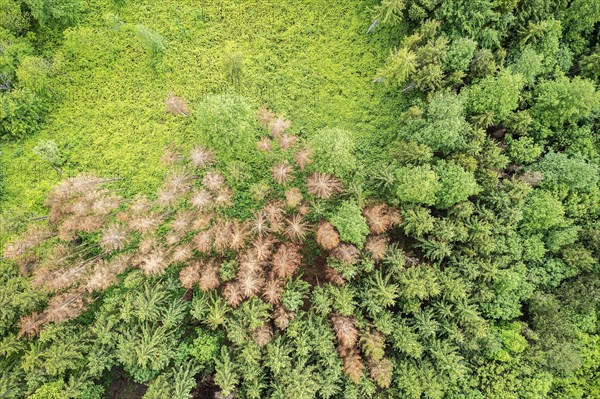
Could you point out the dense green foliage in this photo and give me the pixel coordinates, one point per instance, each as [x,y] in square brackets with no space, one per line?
[300,199]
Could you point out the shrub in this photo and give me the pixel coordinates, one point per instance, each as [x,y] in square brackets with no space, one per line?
[348,220]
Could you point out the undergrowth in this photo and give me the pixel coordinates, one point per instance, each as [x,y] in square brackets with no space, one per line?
[299,58]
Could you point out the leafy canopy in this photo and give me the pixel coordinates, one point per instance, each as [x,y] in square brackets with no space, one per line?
[350,223]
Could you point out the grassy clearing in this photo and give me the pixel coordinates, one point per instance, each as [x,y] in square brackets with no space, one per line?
[309,60]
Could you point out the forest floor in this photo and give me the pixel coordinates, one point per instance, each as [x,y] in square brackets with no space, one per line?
[310,60]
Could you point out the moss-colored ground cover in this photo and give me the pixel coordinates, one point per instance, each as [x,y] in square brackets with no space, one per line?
[309,60]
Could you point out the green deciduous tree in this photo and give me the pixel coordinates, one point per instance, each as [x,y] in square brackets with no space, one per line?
[572,172]
[541,211]
[51,390]
[498,95]
[350,223]
[47,150]
[12,18]
[590,66]
[529,64]
[21,113]
[564,101]
[416,185]
[205,347]
[226,124]
[56,13]
[443,127]
[460,54]
[510,287]
[456,184]
[523,150]
[333,152]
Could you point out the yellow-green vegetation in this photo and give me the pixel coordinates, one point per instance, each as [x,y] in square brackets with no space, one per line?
[108,114]
[300,199]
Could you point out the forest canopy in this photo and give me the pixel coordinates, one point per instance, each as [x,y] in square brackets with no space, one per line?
[366,199]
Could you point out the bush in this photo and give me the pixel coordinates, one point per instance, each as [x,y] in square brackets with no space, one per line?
[348,220]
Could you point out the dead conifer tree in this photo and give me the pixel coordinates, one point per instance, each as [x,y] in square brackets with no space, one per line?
[327,236]
[323,185]
[175,105]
